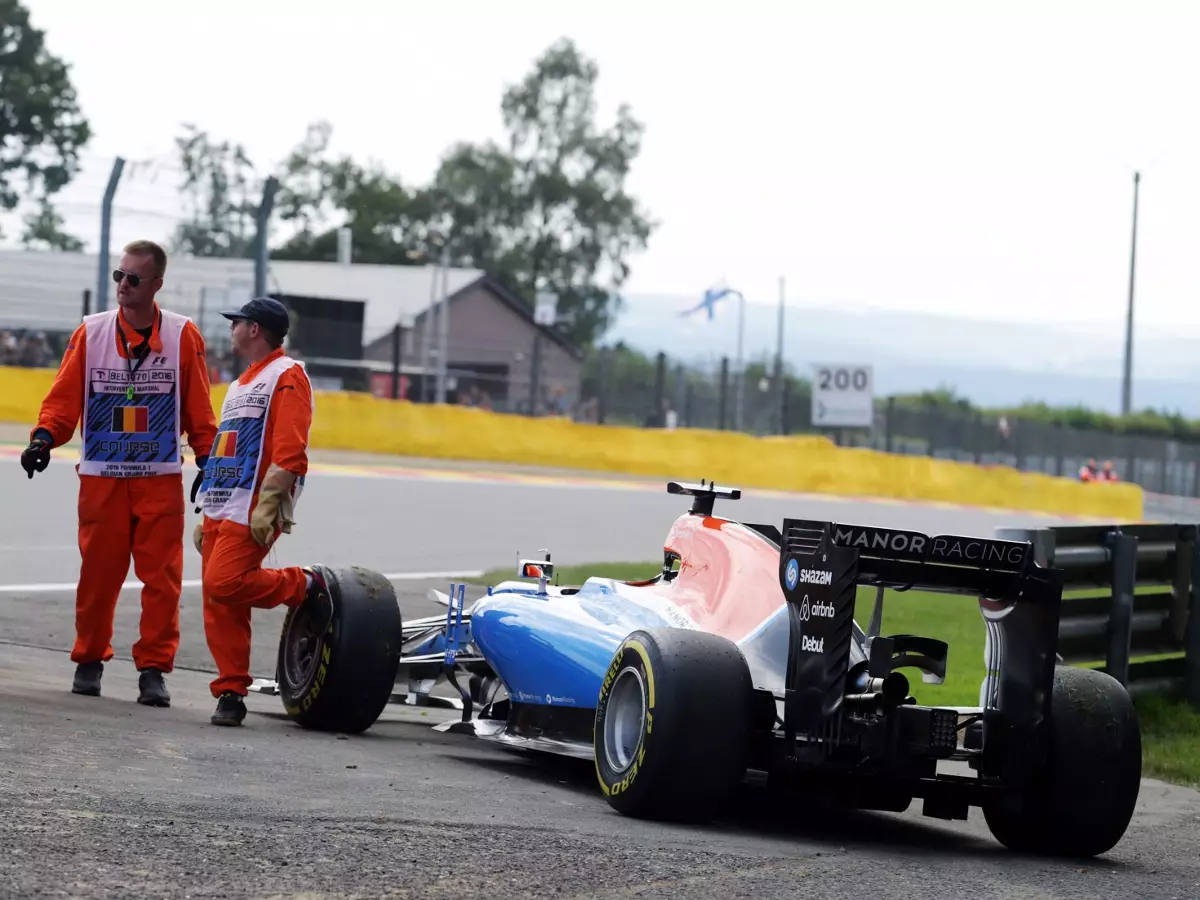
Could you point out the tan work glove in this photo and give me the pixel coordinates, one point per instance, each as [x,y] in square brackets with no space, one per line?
[198,538]
[274,507]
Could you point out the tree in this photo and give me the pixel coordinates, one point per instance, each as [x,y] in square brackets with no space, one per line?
[44,229]
[42,129]
[222,192]
[320,194]
[550,211]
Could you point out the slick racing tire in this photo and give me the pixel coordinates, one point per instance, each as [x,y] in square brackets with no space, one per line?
[342,680]
[673,721]
[1080,804]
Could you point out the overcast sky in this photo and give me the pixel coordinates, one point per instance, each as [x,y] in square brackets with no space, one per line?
[933,161]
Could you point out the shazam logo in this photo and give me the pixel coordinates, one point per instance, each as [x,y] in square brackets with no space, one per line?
[792,574]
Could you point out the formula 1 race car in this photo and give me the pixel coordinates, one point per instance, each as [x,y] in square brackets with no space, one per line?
[742,657]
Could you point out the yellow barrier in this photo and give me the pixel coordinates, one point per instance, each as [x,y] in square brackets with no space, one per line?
[363,423]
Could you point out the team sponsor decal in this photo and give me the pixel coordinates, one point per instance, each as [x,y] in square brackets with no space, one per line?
[941,548]
[821,609]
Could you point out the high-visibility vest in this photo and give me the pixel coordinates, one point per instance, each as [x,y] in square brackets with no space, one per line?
[131,408]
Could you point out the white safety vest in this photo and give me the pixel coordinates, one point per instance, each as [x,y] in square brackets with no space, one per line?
[131,407]
[236,458]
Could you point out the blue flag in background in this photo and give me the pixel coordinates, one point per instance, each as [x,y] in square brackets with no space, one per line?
[709,302]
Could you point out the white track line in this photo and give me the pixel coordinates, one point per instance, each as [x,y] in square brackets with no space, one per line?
[195,582]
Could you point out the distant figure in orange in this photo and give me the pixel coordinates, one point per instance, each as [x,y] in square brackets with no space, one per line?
[137,377]
[1089,472]
[1110,474]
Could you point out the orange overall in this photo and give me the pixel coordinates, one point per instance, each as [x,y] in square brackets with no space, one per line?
[234,581]
[120,516]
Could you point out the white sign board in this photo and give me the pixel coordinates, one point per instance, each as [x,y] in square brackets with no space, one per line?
[545,309]
[843,396]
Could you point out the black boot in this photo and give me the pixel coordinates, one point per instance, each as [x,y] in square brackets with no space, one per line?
[231,709]
[153,689]
[87,679]
[318,602]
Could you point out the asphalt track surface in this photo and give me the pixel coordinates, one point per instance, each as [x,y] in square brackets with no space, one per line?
[105,798]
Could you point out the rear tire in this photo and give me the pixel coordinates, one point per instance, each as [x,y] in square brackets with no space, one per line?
[343,679]
[1081,804]
[672,727]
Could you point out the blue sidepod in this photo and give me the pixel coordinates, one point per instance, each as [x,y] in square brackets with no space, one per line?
[554,650]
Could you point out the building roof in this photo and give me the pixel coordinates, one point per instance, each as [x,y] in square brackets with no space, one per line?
[44,289]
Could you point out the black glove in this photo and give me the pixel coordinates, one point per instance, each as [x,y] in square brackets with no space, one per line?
[36,456]
[201,461]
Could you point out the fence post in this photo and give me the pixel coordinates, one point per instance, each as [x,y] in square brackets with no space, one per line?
[114,178]
[723,396]
[660,381]
[87,301]
[396,361]
[1191,682]
[1120,623]
[605,384]
[262,249]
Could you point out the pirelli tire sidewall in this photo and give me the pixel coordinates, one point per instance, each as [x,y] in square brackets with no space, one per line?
[357,657]
[691,753]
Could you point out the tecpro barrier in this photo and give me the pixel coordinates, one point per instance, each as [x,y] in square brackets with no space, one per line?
[367,424]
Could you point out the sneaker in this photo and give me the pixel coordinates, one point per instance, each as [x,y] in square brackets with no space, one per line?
[153,689]
[318,602]
[87,679]
[231,709]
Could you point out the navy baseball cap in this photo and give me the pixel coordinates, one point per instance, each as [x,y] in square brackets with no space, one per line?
[266,311]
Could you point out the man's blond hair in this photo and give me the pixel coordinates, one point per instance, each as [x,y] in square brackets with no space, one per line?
[151,249]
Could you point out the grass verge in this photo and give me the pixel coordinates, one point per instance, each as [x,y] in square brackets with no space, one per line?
[1170,728]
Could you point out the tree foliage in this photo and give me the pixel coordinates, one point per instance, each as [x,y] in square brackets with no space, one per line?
[44,230]
[320,194]
[549,211]
[222,193]
[42,128]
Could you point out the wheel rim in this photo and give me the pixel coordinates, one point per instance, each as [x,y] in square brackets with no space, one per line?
[301,649]
[624,720]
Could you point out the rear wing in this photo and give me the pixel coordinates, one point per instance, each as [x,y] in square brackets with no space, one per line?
[896,558]
[823,564]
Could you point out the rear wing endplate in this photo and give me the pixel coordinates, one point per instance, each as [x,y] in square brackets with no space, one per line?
[821,567]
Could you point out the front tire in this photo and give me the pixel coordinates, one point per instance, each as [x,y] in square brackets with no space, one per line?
[672,725]
[1082,802]
[342,680]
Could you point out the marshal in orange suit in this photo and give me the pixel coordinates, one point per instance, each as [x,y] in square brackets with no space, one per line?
[251,485]
[137,378]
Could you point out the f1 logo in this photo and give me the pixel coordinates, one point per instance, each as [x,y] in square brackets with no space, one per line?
[158,361]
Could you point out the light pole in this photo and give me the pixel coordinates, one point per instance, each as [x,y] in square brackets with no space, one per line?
[1127,381]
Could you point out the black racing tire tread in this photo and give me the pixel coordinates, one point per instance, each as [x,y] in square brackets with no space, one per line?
[698,738]
[1081,804]
[361,654]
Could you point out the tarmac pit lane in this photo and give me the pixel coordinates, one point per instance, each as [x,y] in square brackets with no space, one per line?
[105,798]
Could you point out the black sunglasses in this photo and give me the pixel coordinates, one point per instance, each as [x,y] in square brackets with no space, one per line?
[134,280]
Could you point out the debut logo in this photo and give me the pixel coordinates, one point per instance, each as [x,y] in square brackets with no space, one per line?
[813,645]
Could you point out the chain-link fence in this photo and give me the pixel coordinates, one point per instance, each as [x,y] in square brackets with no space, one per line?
[617,386]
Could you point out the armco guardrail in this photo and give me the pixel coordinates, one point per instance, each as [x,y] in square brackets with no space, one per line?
[1131,600]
